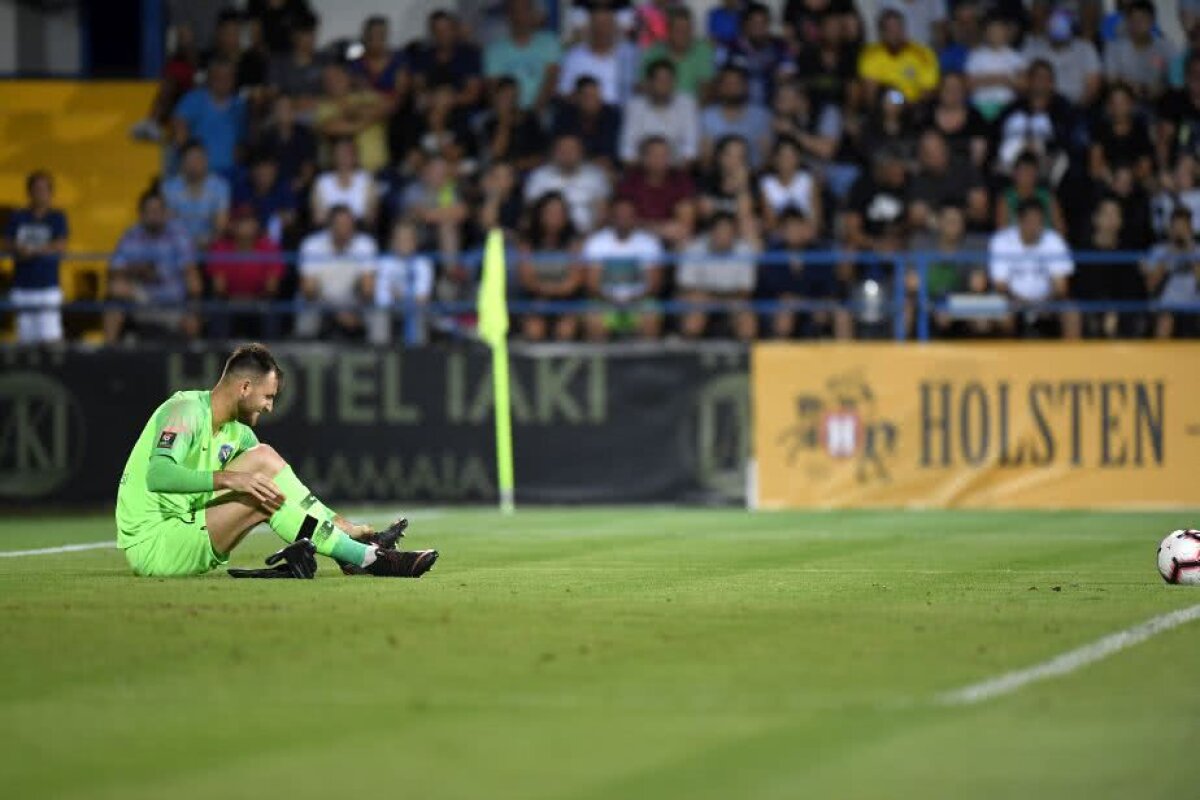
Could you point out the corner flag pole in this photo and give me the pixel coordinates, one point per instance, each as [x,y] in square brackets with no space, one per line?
[493,329]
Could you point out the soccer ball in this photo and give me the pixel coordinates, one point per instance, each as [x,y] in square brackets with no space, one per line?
[1179,557]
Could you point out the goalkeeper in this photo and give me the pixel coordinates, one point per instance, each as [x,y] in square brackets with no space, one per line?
[198,481]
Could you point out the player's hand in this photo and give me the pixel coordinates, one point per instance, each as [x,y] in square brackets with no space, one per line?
[257,486]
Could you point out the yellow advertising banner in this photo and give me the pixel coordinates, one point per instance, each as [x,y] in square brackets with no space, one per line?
[1023,425]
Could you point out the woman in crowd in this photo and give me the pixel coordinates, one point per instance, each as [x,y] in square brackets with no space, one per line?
[558,277]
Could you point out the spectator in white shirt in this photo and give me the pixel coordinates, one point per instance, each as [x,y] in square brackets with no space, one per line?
[337,266]
[662,111]
[585,186]
[346,185]
[719,266]
[789,185]
[604,55]
[403,283]
[1031,264]
[624,270]
[995,71]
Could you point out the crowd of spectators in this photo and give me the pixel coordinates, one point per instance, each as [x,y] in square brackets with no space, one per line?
[801,157]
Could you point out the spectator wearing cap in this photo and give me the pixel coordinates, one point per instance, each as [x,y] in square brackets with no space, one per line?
[995,71]
[662,111]
[1172,271]
[1078,73]
[734,114]
[344,111]
[297,73]
[214,116]
[526,54]
[271,198]
[624,271]
[693,58]
[198,198]
[448,59]
[337,265]
[1030,263]
[1137,57]
[603,55]
[764,58]
[152,272]
[897,62]
[597,124]
[584,186]
[661,194]
[36,236]
[243,266]
[719,267]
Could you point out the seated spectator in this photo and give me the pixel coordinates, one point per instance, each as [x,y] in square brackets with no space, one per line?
[36,238]
[344,111]
[1026,187]
[891,124]
[1078,74]
[1030,263]
[443,129]
[215,117]
[243,266]
[249,63]
[1137,226]
[942,181]
[995,71]
[197,198]
[662,112]
[269,196]
[584,186]
[733,114]
[963,36]
[719,267]
[298,74]
[178,78]
[1178,113]
[878,201]
[603,55]
[625,271]
[692,58]
[650,22]
[1112,277]
[501,204]
[403,286]
[725,21]
[278,19]
[597,124]
[1138,58]
[435,203]
[788,275]
[925,20]
[336,267]
[549,268]
[828,68]
[661,194]
[381,67]
[1120,139]
[788,185]
[1040,121]
[729,186]
[346,185]
[448,59]
[1177,72]
[964,128]
[293,145]
[897,63]
[153,271]
[508,132]
[804,21]
[1172,273]
[526,54]
[763,57]
[951,269]
[816,129]
[1178,190]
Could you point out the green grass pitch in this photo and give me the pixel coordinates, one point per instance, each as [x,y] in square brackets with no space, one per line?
[615,653]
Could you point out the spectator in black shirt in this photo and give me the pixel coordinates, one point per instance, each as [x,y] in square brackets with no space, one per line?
[829,65]
[965,129]
[941,181]
[446,59]
[1179,117]
[277,19]
[1121,139]
[878,201]
[596,123]
[293,145]
[507,131]
[1109,278]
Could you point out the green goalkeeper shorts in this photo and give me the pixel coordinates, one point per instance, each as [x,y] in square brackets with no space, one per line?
[175,546]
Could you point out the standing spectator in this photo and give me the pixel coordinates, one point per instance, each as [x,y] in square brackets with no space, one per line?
[278,20]
[381,67]
[1138,57]
[878,201]
[603,55]
[964,128]
[625,271]
[1078,75]
[692,58]
[1120,139]
[729,185]
[198,198]
[925,20]
[508,132]
[1172,272]
[361,114]
[1031,264]
[347,185]
[788,185]
[764,58]
[244,266]
[789,275]
[298,74]
[597,124]
[662,112]
[336,267]
[584,186]
[527,54]
[1026,187]
[733,114]
[214,116]
[994,69]
[448,60]
[549,269]
[896,62]
[1112,277]
[153,269]
[403,282]
[36,237]
[661,194]
[719,267]
[271,198]
[942,181]
[293,145]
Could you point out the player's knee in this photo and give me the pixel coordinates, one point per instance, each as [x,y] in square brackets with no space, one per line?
[265,458]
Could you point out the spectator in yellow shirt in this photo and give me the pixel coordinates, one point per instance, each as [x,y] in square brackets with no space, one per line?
[898,63]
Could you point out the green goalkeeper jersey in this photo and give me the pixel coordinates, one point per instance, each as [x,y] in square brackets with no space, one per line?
[182,430]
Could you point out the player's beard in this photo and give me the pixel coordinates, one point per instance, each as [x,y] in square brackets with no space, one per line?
[247,416]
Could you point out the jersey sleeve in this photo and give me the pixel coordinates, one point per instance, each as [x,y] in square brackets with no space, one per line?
[176,429]
[248,439]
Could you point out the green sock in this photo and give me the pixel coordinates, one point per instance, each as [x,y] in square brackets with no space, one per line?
[296,492]
[291,520]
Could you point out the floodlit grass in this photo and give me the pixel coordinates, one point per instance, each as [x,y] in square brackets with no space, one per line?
[615,653]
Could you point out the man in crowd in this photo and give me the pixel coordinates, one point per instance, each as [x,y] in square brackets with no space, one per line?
[1139,58]
[662,195]
[1078,74]
[1031,264]
[527,54]
[662,111]
[896,62]
[244,266]
[625,272]
[198,198]
[719,266]
[584,186]
[734,114]
[692,58]
[336,267]
[214,116]
[603,54]
[36,237]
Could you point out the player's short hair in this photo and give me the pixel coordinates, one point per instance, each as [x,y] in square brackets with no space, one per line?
[253,359]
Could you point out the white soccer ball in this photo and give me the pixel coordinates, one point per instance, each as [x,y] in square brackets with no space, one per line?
[1179,557]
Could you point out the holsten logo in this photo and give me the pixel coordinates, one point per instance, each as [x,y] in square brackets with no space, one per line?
[41,435]
[842,422]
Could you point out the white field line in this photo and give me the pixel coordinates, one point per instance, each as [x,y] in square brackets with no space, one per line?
[66,548]
[1069,661]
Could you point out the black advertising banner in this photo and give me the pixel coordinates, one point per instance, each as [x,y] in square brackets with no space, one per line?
[591,425]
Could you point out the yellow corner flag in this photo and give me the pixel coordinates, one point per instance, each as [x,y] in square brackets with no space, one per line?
[492,308]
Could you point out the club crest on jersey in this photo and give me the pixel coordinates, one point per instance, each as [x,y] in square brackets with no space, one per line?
[167,439]
[224,453]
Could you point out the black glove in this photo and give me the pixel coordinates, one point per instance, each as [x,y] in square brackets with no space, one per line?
[297,560]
